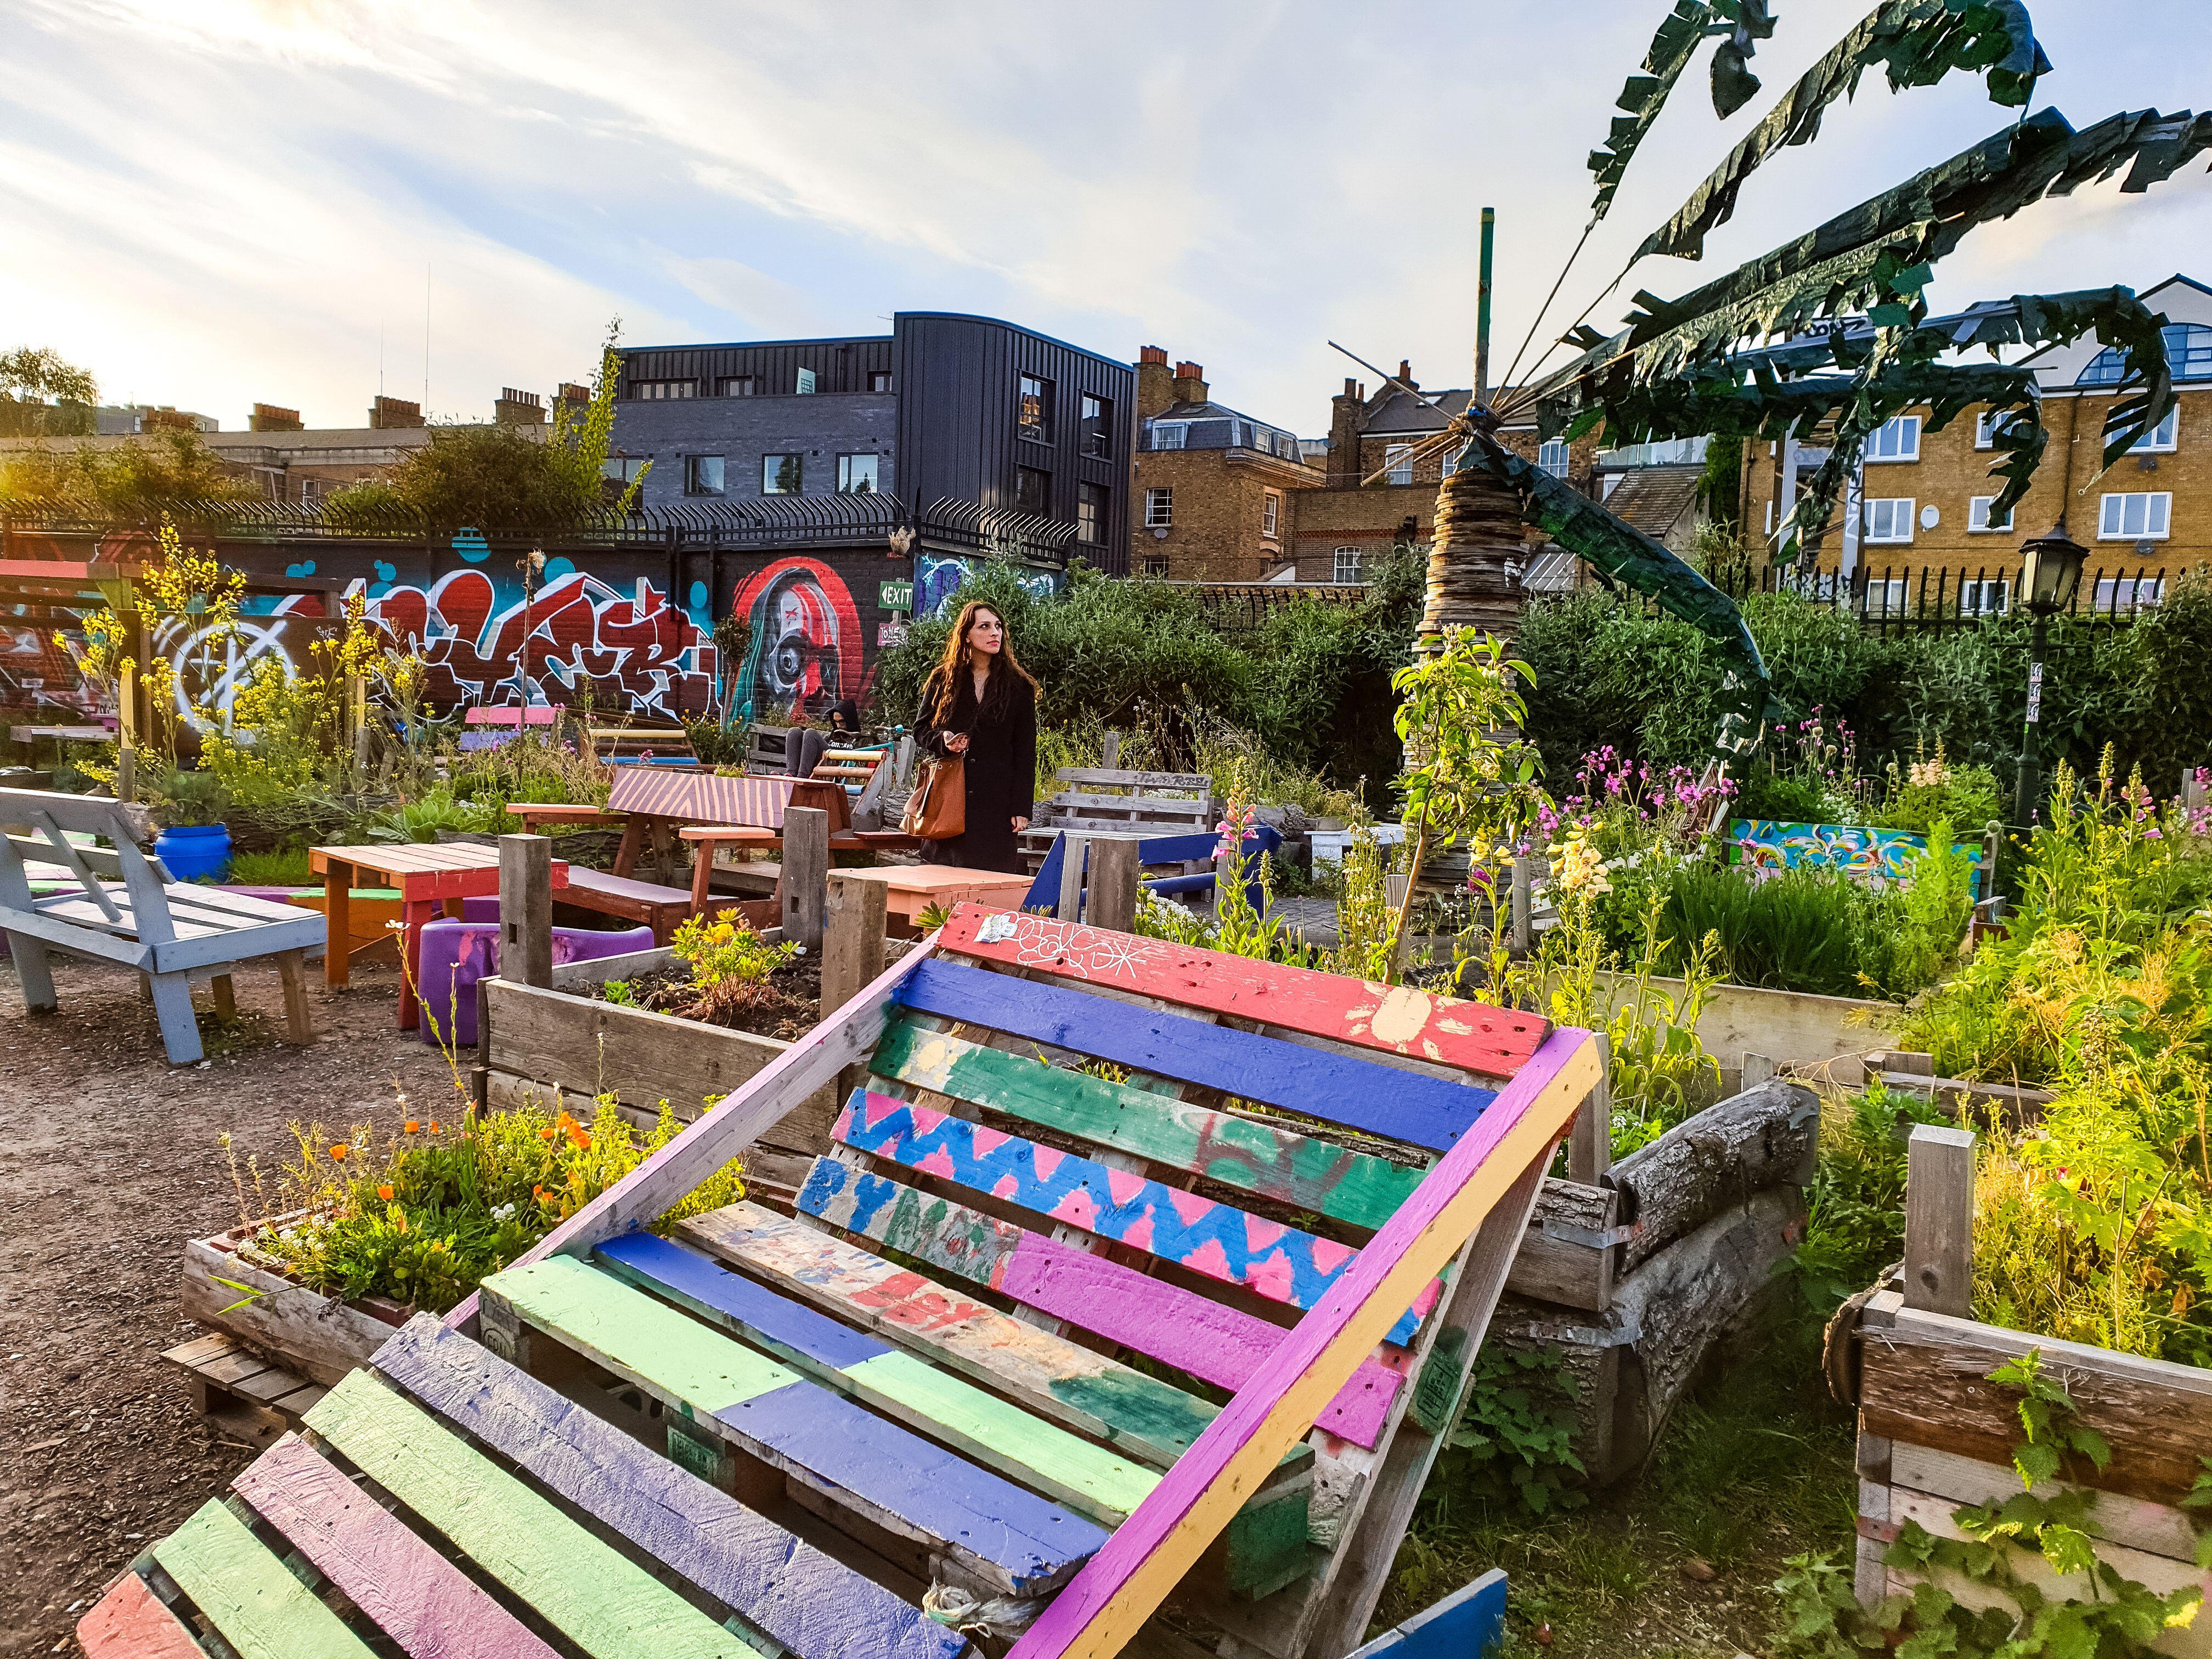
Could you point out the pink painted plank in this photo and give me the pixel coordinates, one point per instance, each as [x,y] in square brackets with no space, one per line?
[1181,1328]
[410,1591]
[129,1622]
[1398,1020]
[1121,1586]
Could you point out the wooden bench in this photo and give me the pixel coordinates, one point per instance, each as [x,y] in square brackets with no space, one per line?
[1058,889]
[981,1368]
[1133,802]
[124,909]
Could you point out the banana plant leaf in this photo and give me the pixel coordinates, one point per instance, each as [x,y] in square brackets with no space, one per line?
[1920,41]
[1740,23]
[1625,553]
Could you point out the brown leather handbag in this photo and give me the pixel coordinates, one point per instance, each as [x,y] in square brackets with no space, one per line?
[938,808]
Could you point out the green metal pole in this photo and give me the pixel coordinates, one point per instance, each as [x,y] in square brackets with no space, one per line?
[1482,311]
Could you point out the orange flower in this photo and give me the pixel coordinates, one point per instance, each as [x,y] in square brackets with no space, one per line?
[385,1193]
[579,1137]
[339,1149]
[434,1126]
[545,1134]
[411,1125]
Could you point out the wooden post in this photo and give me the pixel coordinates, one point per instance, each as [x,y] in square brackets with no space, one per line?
[1110,755]
[1068,905]
[1228,873]
[525,910]
[1523,914]
[126,772]
[1114,885]
[1939,1220]
[806,874]
[2192,791]
[1589,1144]
[1757,1068]
[852,936]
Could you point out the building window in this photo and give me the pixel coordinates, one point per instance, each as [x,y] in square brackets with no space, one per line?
[1978,515]
[1987,426]
[2188,353]
[1033,416]
[1400,469]
[2159,440]
[1159,508]
[780,475]
[1897,439]
[879,380]
[1890,518]
[622,469]
[739,385]
[1885,597]
[1983,598]
[702,474]
[1346,570]
[1097,427]
[1156,565]
[2138,517]
[1770,514]
[856,475]
[1271,508]
[1090,514]
[1448,463]
[1552,457]
[2128,592]
[1170,434]
[1033,490]
[649,389]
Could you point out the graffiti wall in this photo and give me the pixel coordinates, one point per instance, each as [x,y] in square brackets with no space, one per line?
[937,576]
[1877,857]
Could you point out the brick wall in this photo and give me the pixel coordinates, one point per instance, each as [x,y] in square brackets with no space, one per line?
[818,427]
[1219,532]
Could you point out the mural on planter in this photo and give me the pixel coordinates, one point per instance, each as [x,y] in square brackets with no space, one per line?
[1875,856]
[807,648]
[641,651]
[937,576]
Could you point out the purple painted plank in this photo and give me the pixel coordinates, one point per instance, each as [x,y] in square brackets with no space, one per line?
[781,1320]
[410,1592]
[813,1604]
[1121,1585]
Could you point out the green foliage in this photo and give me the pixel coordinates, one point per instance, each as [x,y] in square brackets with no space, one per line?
[421,820]
[717,742]
[1512,1443]
[528,767]
[286,869]
[1855,1207]
[130,482]
[1814,928]
[32,375]
[724,950]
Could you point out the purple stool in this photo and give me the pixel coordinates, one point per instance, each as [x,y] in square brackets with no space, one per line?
[457,954]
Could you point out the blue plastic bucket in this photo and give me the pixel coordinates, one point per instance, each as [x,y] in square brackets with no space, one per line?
[195,852]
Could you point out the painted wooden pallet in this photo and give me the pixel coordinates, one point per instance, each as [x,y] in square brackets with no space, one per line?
[1103,1304]
[246,1396]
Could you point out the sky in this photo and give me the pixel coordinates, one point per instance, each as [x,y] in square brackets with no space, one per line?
[212,203]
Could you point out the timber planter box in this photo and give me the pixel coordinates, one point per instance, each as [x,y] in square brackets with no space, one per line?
[320,1337]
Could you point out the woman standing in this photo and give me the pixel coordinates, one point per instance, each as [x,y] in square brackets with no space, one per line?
[980,704]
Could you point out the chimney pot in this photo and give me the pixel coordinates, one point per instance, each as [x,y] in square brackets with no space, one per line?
[1188,371]
[1152,354]
[1351,386]
[1405,373]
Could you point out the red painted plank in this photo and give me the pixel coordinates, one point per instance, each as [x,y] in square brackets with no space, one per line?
[410,1592]
[1395,1019]
[131,1623]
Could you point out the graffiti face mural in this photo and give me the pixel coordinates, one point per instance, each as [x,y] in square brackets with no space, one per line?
[640,651]
[807,648]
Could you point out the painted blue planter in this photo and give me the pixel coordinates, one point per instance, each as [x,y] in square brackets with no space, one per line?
[195,853]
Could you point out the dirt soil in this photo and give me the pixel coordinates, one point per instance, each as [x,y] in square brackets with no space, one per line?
[114,1160]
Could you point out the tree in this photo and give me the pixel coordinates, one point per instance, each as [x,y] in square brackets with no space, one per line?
[42,395]
[499,476]
[134,482]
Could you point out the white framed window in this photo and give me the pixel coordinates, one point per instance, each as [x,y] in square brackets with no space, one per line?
[1159,509]
[1448,463]
[1552,457]
[1886,597]
[1978,518]
[1983,598]
[1170,434]
[1769,513]
[1897,439]
[1988,423]
[1889,518]
[1270,510]
[1401,469]
[2129,593]
[1156,565]
[2159,440]
[2143,515]
[1345,569]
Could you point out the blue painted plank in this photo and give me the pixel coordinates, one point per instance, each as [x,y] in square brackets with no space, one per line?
[812,1604]
[1383,1100]
[790,1324]
[1469,1623]
[1036,1544]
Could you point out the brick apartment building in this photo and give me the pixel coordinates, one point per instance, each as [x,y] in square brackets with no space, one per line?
[1921,501]
[1215,489]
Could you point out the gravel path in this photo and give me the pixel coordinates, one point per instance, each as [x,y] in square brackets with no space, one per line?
[110,1161]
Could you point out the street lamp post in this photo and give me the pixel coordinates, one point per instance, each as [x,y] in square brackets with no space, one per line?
[2049,575]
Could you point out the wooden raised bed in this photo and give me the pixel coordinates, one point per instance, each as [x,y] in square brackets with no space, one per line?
[320,1337]
[1935,1434]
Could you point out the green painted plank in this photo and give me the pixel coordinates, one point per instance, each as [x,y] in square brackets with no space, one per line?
[596,1313]
[1038,1453]
[249,1595]
[1257,1158]
[601,1600]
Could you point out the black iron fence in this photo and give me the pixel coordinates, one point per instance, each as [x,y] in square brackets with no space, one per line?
[1890,601]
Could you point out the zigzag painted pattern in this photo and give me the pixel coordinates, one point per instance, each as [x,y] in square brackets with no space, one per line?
[1218,1240]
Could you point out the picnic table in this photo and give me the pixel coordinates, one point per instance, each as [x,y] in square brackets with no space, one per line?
[427,876]
[910,888]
